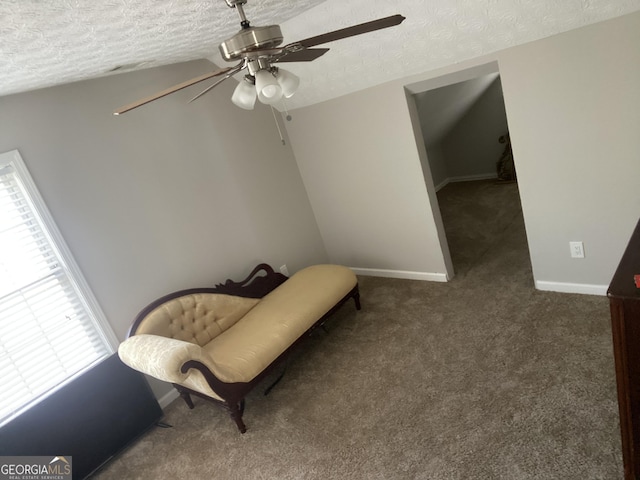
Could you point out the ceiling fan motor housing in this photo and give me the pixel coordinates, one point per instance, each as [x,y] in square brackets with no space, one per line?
[258,48]
[249,39]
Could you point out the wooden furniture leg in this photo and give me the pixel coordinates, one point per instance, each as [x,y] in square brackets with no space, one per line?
[236,410]
[186,397]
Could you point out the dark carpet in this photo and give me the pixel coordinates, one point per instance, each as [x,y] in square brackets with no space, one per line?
[479,378]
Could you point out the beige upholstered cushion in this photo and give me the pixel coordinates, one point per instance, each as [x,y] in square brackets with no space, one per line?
[236,338]
[162,358]
[157,356]
[278,320]
[197,318]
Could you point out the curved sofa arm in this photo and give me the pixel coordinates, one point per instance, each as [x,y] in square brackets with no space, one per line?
[159,357]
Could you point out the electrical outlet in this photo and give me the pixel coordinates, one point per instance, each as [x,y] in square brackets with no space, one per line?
[577,249]
[284,270]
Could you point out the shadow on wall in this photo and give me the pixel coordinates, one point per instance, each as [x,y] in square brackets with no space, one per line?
[461,125]
[467,143]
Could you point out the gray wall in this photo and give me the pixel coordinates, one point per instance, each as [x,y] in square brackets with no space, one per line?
[573,107]
[573,103]
[437,164]
[357,155]
[463,144]
[441,108]
[169,196]
[471,147]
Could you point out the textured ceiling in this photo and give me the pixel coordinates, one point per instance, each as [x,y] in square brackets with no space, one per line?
[48,42]
[44,43]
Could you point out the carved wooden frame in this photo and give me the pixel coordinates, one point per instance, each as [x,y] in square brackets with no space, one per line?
[253,286]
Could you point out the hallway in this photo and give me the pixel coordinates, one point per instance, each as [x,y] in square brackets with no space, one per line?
[477,216]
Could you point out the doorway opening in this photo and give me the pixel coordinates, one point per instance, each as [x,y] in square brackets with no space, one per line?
[469,169]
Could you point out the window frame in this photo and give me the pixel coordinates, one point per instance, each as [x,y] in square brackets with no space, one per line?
[86,297]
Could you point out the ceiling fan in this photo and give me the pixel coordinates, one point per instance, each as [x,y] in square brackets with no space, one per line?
[258,50]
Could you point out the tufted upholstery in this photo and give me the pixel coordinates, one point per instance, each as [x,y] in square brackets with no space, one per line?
[232,339]
[196,318]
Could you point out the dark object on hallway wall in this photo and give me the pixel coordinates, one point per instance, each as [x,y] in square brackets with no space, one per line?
[624,300]
[505,166]
[91,418]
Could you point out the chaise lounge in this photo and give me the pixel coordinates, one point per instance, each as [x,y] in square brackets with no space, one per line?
[219,343]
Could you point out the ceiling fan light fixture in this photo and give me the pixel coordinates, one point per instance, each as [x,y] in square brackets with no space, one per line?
[244,96]
[288,82]
[259,49]
[268,88]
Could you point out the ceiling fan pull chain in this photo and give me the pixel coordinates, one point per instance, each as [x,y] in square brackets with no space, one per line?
[275,119]
[286,110]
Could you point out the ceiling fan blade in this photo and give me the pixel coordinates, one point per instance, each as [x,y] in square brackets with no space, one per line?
[306,55]
[231,73]
[173,89]
[359,29]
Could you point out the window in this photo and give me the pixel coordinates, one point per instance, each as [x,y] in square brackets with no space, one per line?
[51,327]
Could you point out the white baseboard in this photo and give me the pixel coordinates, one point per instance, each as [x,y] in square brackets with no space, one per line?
[471,178]
[165,400]
[442,184]
[572,288]
[378,272]
[465,178]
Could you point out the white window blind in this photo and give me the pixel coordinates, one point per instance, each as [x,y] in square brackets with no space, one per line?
[50,325]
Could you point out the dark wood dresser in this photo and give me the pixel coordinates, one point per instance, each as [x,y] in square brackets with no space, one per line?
[624,300]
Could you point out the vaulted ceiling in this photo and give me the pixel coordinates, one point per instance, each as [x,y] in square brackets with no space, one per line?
[45,43]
